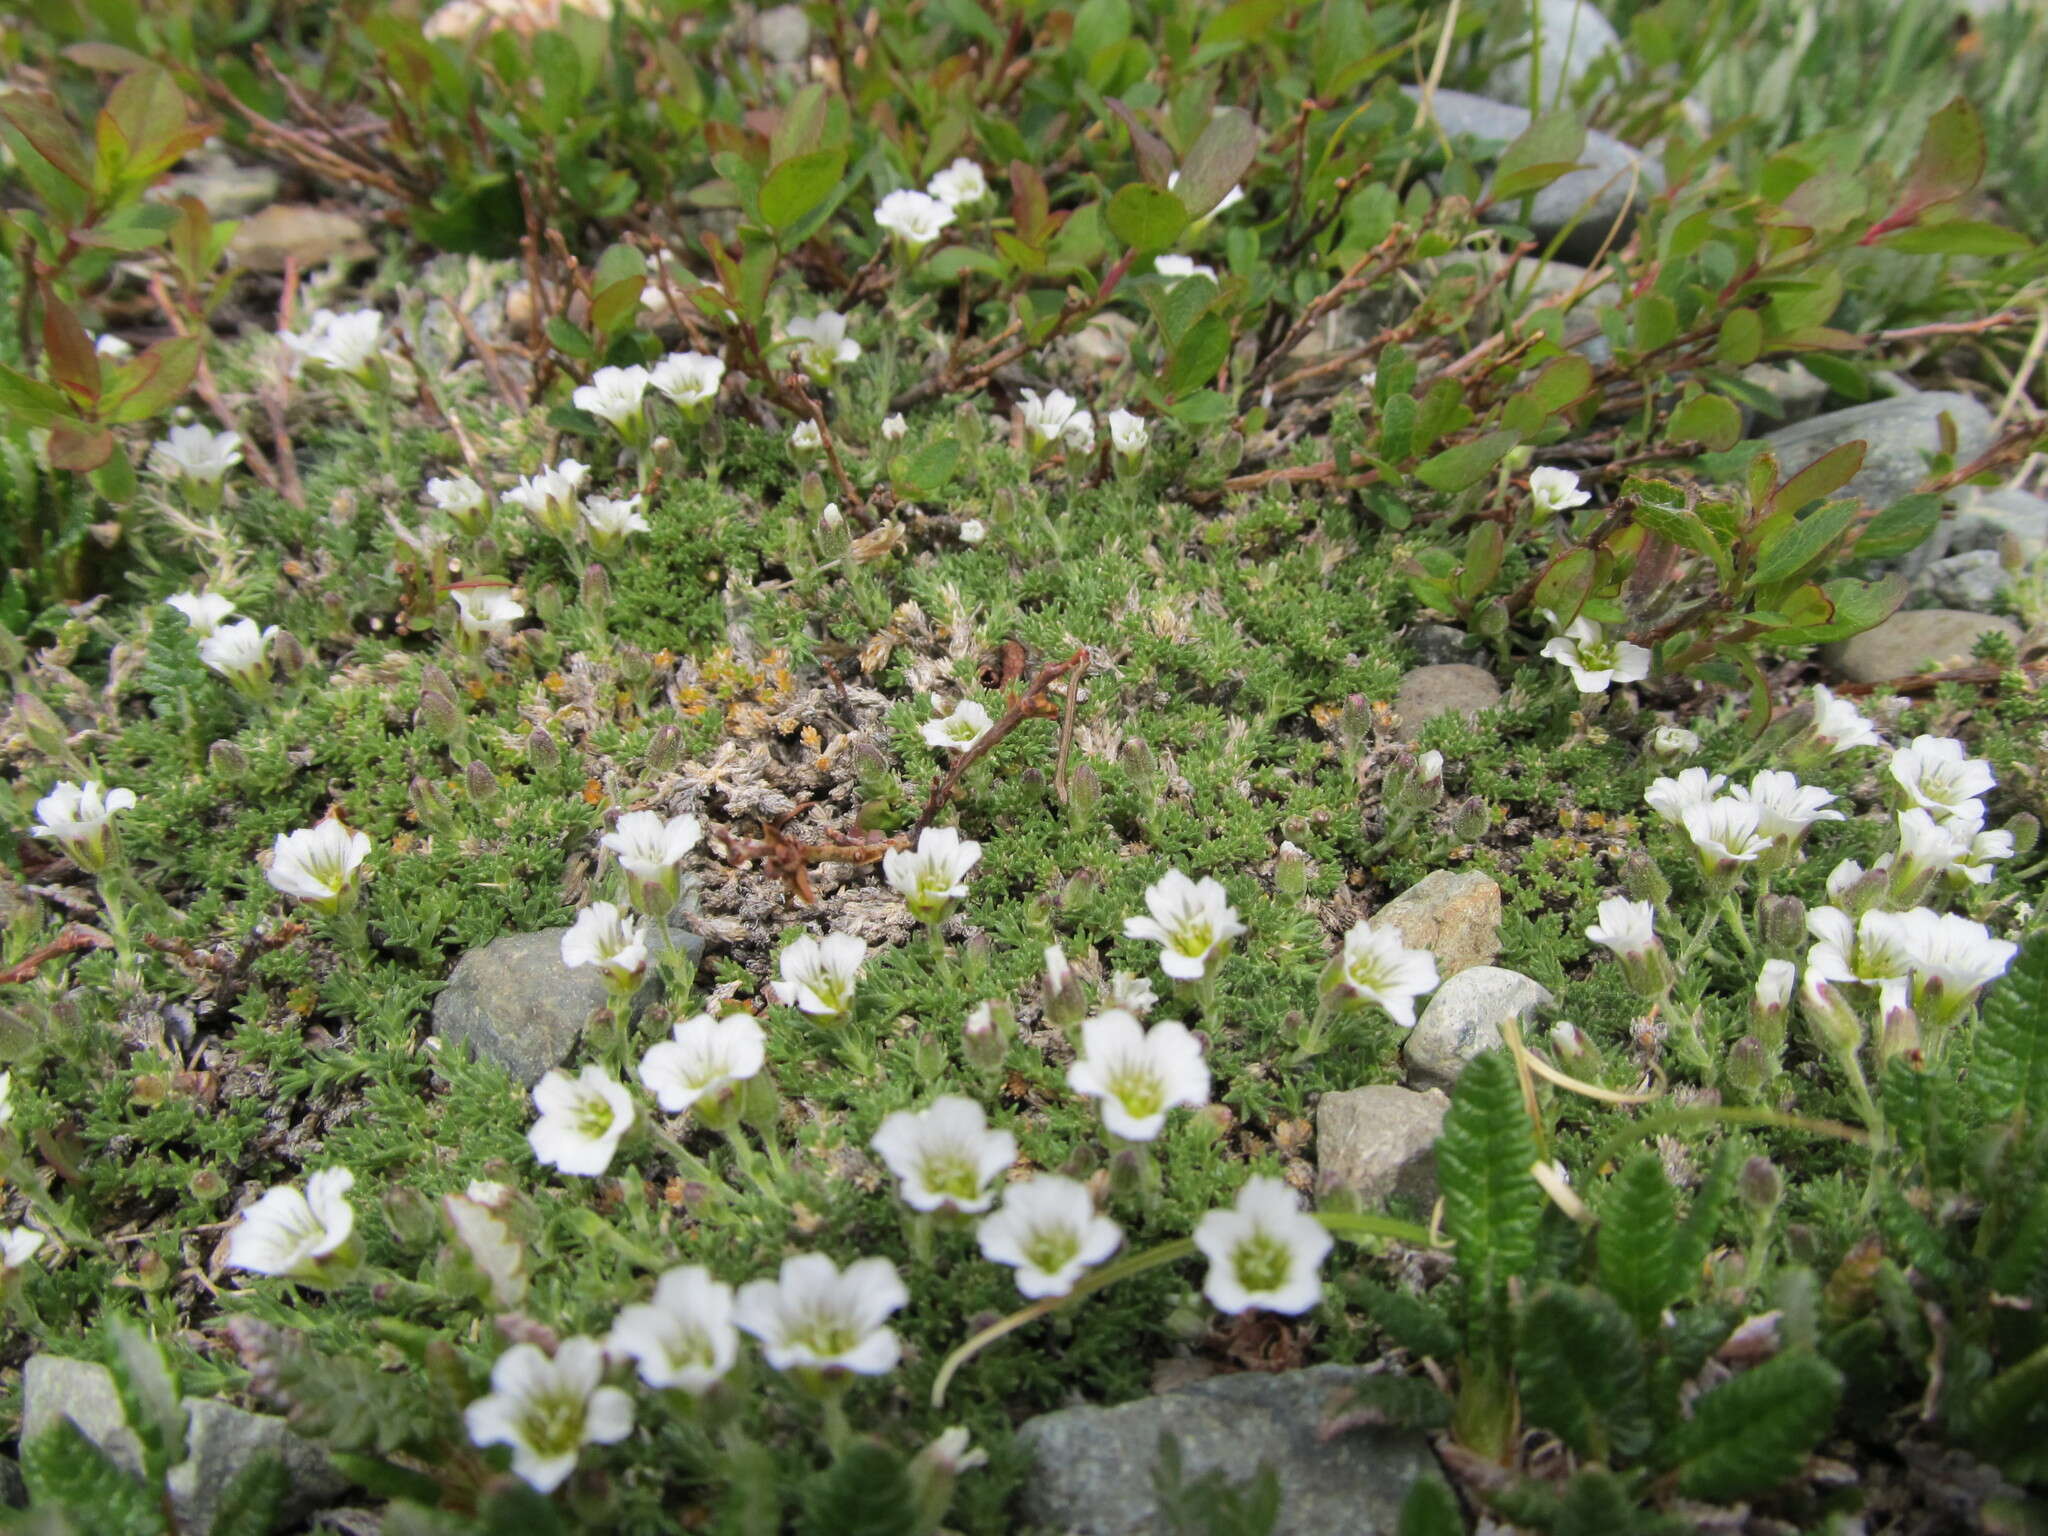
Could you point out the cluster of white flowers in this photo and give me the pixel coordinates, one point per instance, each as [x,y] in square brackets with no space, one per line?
[1057,418]
[915,218]
[819,975]
[550,497]
[463,502]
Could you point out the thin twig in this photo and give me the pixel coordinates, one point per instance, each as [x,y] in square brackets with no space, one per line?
[1031,704]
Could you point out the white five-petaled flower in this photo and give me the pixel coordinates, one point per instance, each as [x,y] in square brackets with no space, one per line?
[581,1120]
[1672,798]
[1049,419]
[1264,1251]
[945,1156]
[1952,959]
[1133,994]
[240,652]
[18,1245]
[80,816]
[485,613]
[1128,433]
[805,437]
[819,975]
[1192,922]
[1594,660]
[1178,267]
[609,941]
[611,520]
[649,847]
[816,1317]
[960,185]
[463,500]
[684,1339]
[1725,834]
[549,497]
[894,427]
[1839,725]
[1377,966]
[1049,1231]
[547,1410]
[204,612]
[616,396]
[1785,808]
[1937,775]
[345,343]
[690,380]
[318,864]
[1870,951]
[288,1233]
[1138,1074]
[1774,984]
[821,344]
[1556,490]
[1628,928]
[1079,433]
[973,530]
[195,454]
[966,725]
[932,876]
[1973,850]
[703,1057]
[915,218]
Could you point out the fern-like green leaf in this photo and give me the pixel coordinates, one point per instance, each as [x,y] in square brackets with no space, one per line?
[866,1492]
[1642,1261]
[1702,1224]
[65,1471]
[1491,1204]
[1579,1365]
[1431,1509]
[254,1500]
[2011,1067]
[149,1398]
[1753,1432]
[2021,1266]
[1413,1322]
[2008,1416]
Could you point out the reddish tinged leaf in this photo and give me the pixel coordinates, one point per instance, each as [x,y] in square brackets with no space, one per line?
[79,448]
[153,382]
[39,122]
[73,363]
[1029,204]
[1949,165]
[1155,160]
[1218,161]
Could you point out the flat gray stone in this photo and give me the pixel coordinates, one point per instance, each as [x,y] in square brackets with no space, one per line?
[1918,640]
[516,1003]
[228,190]
[1969,581]
[220,1440]
[1453,915]
[1615,176]
[1899,433]
[1983,519]
[1570,37]
[1379,1143]
[1464,1018]
[1447,688]
[1794,393]
[1094,1465]
[310,237]
[1436,645]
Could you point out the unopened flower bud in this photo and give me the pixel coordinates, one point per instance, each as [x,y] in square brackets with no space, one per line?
[288,652]
[1569,1041]
[1767,1004]
[981,1041]
[411,1215]
[1138,761]
[1760,1186]
[1227,451]
[547,604]
[1747,1071]
[433,678]
[968,425]
[1290,872]
[542,755]
[1354,726]
[480,783]
[1673,744]
[1864,892]
[206,1184]
[1832,1022]
[1470,819]
[811,492]
[438,715]
[596,591]
[1645,880]
[1127,1169]
[1900,1037]
[664,748]
[39,723]
[1781,921]
[1084,792]
[227,759]
[430,808]
[636,667]
[1066,1001]
[2026,832]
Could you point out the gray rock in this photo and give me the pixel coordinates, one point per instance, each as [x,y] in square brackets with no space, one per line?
[518,1005]
[1570,37]
[1464,1018]
[1437,645]
[1982,519]
[1093,1465]
[1794,393]
[228,190]
[784,33]
[1426,692]
[1969,581]
[1914,641]
[1456,917]
[1615,178]
[1899,434]
[220,1440]
[1379,1143]
[310,237]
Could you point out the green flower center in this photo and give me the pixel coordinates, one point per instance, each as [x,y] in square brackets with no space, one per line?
[1262,1263]
[553,1423]
[1051,1249]
[594,1118]
[951,1173]
[1194,936]
[1138,1089]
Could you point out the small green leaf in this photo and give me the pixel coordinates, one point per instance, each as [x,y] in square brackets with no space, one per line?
[1951,158]
[925,472]
[1741,338]
[1201,353]
[1491,1204]
[1710,420]
[569,339]
[1430,1509]
[1204,408]
[1902,526]
[1753,1432]
[1805,543]
[1146,218]
[1958,237]
[2010,1069]
[1640,1263]
[1547,149]
[1217,161]
[1823,477]
[798,186]
[1466,464]
[149,1397]
[1564,588]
